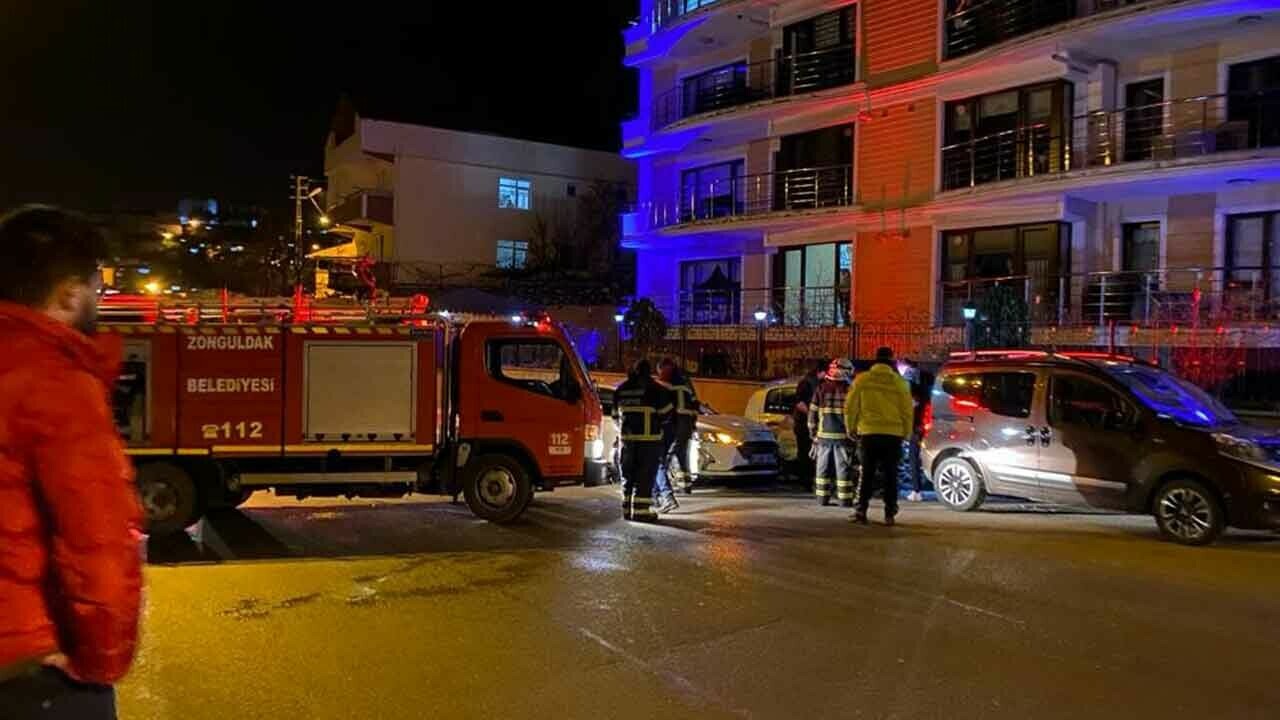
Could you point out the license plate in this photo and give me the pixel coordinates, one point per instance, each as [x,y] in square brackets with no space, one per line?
[763,460]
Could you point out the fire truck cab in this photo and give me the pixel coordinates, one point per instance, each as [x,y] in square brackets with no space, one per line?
[367,404]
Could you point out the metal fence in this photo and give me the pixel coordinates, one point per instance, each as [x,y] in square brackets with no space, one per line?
[1170,130]
[669,11]
[753,195]
[971,25]
[737,85]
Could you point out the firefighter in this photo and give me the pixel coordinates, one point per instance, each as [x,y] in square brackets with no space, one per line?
[641,406]
[832,449]
[684,421]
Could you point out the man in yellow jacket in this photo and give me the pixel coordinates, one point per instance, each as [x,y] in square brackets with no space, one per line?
[878,410]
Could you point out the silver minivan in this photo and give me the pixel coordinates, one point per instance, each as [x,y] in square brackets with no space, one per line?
[1098,430]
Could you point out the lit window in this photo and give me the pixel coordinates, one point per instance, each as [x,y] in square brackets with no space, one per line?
[512,254]
[514,194]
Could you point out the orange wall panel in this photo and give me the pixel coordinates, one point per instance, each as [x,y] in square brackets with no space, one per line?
[897,154]
[893,276]
[900,40]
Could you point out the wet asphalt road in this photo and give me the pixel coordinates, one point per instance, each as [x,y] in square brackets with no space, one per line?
[743,604]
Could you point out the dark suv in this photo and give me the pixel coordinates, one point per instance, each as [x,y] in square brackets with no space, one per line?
[1101,431]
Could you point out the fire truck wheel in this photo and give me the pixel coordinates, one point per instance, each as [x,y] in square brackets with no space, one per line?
[498,488]
[168,497]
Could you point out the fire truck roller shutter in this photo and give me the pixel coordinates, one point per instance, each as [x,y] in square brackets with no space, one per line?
[360,391]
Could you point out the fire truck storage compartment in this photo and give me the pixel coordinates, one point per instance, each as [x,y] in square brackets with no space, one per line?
[360,391]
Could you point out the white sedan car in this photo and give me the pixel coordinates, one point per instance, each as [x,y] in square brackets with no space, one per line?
[724,447]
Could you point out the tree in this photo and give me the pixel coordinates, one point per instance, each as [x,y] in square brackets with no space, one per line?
[1003,319]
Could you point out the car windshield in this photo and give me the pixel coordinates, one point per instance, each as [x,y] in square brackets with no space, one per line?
[1169,395]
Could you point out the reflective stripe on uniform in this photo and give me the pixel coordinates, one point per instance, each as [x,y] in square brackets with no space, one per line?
[681,392]
[647,412]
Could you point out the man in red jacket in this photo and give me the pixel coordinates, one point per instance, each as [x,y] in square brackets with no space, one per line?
[70,560]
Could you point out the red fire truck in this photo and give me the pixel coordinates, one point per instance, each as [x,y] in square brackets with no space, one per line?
[348,401]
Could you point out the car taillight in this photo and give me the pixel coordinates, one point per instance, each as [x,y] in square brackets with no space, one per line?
[926,420]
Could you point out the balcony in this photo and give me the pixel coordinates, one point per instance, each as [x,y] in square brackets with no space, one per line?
[1171,130]
[1187,297]
[365,206]
[974,25]
[743,84]
[751,196]
[783,306]
[666,12]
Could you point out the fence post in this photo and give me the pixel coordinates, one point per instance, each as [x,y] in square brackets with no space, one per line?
[1062,299]
[853,340]
[1146,292]
[1102,302]
[973,163]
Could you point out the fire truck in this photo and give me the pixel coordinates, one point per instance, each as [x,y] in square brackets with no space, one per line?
[311,400]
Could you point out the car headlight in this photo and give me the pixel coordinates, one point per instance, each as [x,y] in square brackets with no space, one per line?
[1244,450]
[717,438]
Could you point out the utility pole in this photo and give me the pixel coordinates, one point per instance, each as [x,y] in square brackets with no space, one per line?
[302,192]
[300,183]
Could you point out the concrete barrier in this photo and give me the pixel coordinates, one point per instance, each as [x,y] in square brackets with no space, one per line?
[726,396]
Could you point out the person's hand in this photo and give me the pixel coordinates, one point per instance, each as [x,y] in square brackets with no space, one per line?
[813,452]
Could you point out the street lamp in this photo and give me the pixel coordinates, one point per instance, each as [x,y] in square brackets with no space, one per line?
[618,319]
[970,313]
[762,317]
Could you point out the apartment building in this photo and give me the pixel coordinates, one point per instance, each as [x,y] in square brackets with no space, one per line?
[1107,162]
[447,207]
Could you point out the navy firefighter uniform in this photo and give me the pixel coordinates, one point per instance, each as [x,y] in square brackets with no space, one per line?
[832,446]
[642,407]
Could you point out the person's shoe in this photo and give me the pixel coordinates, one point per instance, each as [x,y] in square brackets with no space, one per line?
[888,519]
[668,504]
[858,518]
[824,501]
[915,496]
[846,503]
[688,491]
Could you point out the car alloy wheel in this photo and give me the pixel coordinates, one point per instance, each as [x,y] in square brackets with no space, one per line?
[955,484]
[1187,514]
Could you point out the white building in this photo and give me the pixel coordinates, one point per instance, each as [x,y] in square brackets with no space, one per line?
[441,204]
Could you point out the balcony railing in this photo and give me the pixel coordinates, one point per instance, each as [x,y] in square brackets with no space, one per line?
[1171,130]
[1020,153]
[666,12]
[754,195]
[1187,297]
[977,24]
[732,87]
[826,306]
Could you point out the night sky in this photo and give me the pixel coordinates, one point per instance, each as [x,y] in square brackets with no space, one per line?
[132,105]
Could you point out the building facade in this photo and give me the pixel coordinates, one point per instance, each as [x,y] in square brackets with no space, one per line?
[1096,162]
[442,206]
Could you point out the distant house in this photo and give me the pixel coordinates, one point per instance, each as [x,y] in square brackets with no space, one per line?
[442,206]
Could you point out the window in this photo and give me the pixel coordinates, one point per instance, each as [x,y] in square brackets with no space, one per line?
[711,192]
[1253,253]
[1081,401]
[1141,251]
[711,291]
[514,194]
[539,366]
[1253,106]
[513,254]
[1007,394]
[716,88]
[818,53]
[811,284]
[1025,259]
[1007,135]
[780,401]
